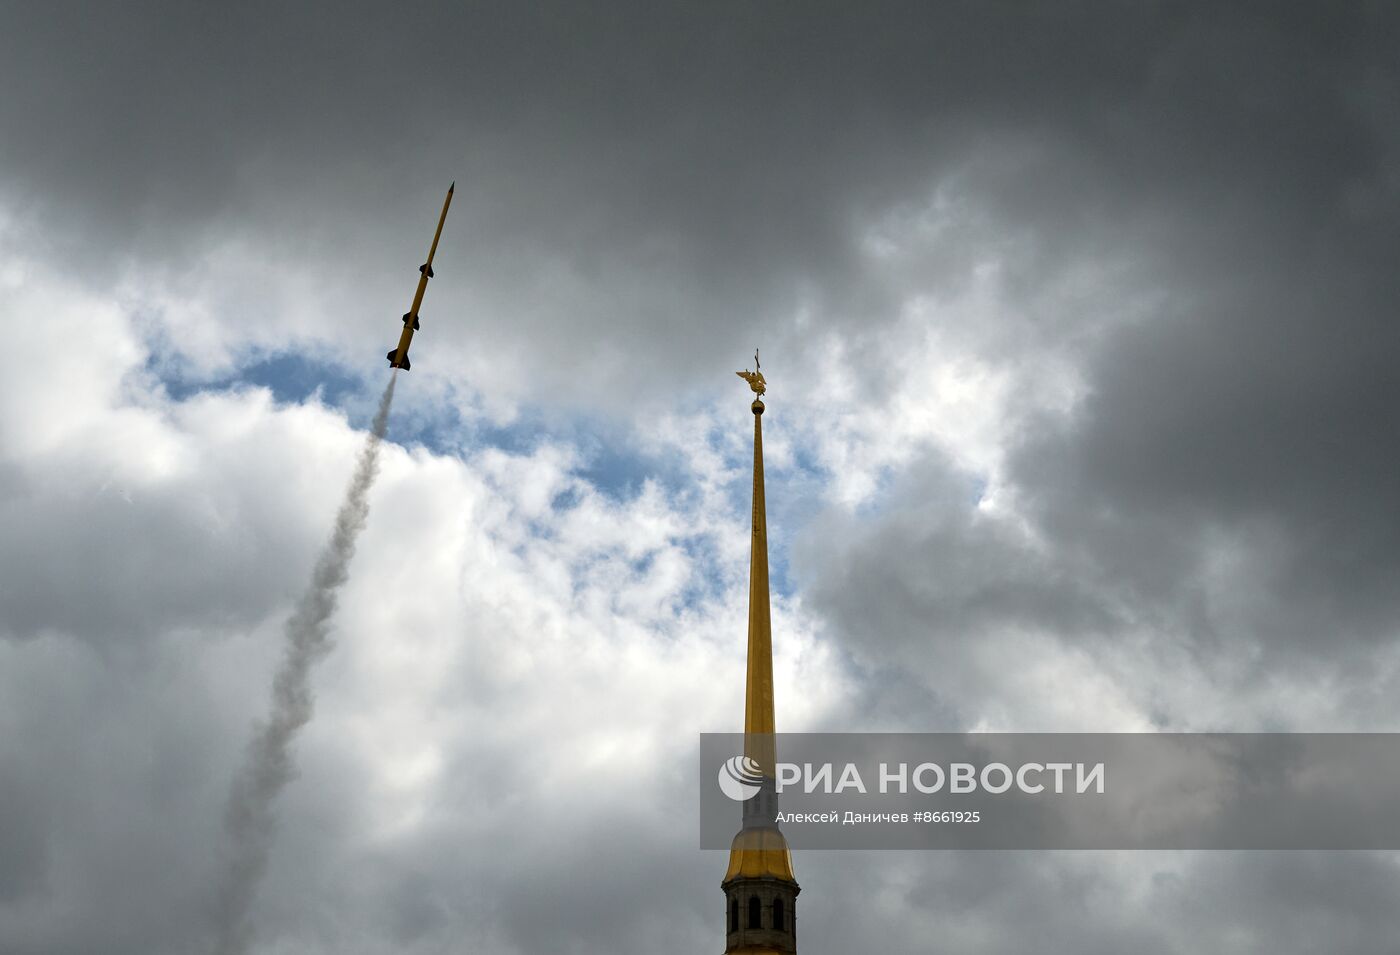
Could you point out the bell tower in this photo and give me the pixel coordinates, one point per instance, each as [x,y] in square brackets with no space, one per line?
[760,893]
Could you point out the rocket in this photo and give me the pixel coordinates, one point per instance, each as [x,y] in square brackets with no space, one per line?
[398,357]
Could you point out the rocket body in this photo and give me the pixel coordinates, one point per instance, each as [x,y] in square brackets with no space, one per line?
[398,357]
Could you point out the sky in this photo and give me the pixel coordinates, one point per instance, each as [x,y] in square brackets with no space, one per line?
[1080,333]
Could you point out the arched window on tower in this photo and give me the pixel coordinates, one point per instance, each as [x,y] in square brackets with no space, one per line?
[754,912]
[778,915]
[734,915]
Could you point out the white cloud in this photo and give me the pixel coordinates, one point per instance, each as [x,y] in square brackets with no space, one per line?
[513,644]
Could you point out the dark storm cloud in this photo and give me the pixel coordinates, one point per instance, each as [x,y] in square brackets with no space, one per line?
[105,799]
[1004,902]
[51,580]
[931,572]
[1267,418]
[1228,478]
[644,181]
[22,840]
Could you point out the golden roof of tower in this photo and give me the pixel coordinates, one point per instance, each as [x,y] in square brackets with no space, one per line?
[756,853]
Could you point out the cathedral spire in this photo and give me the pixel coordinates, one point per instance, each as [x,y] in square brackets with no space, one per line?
[758,691]
[759,887]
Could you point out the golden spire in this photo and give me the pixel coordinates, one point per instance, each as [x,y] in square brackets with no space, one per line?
[759,849]
[758,692]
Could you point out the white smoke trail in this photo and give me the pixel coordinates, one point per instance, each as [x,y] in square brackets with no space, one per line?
[248,821]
